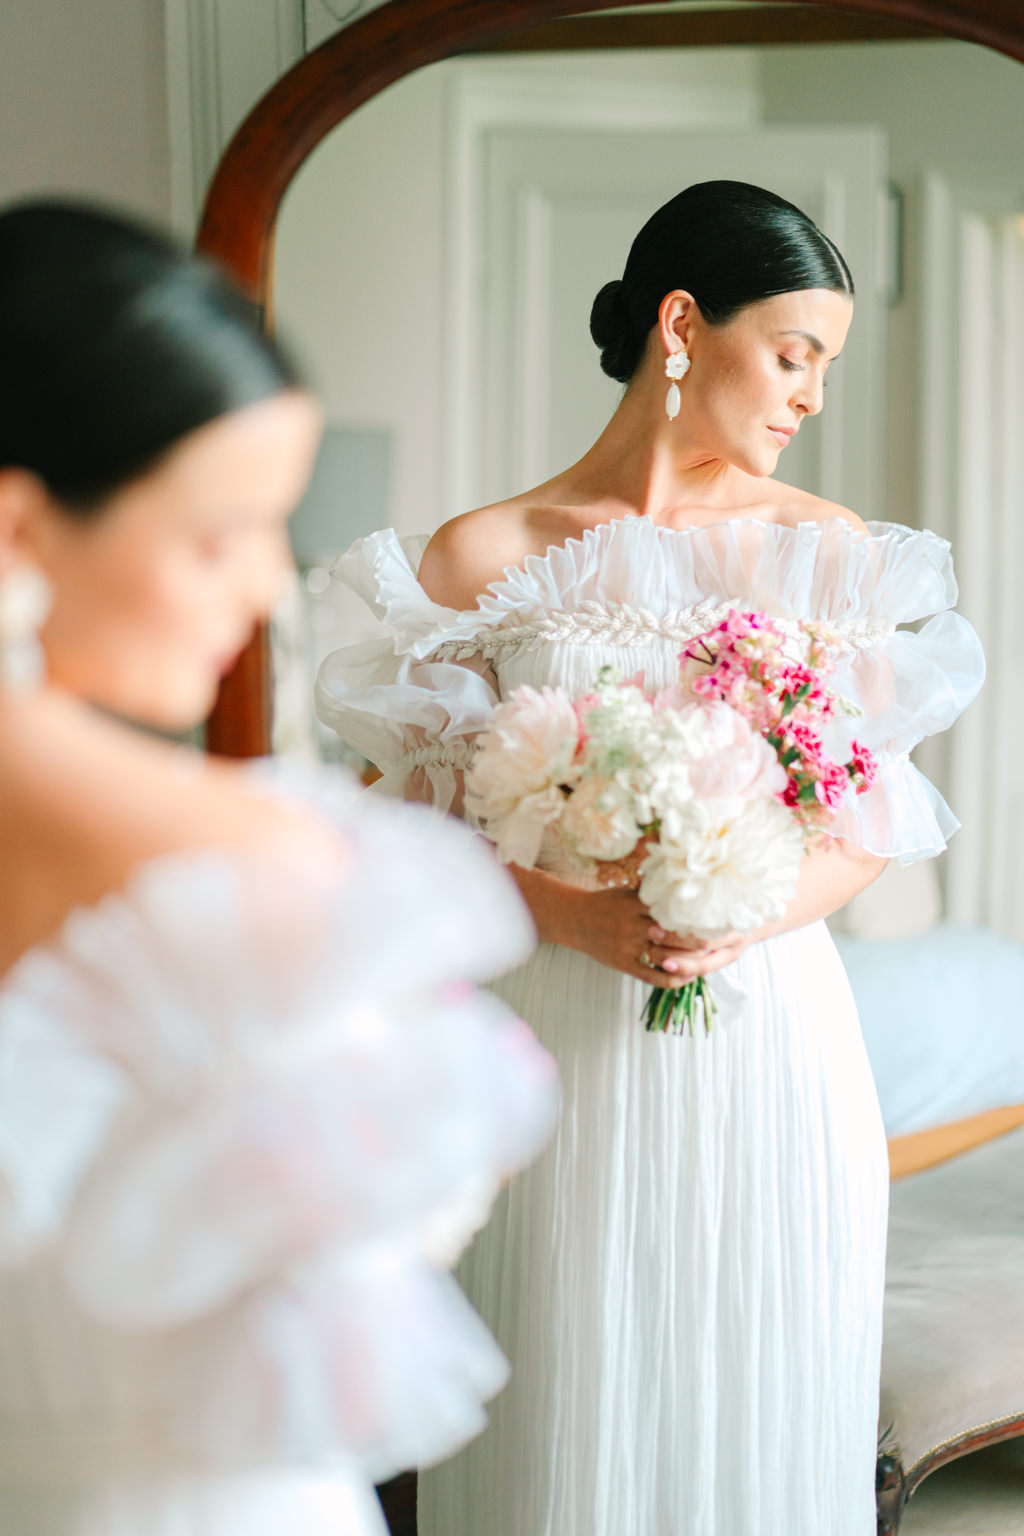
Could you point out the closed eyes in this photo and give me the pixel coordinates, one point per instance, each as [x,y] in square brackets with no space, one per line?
[791,367]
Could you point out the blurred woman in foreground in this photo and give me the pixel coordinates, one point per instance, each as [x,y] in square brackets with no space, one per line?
[249,1108]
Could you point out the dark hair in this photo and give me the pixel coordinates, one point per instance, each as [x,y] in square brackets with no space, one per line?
[114,345]
[727,243]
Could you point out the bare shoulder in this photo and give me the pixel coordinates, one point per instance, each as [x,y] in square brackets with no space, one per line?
[831,511]
[791,506]
[468,553]
[85,801]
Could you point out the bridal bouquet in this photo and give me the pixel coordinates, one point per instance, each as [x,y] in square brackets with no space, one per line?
[704,795]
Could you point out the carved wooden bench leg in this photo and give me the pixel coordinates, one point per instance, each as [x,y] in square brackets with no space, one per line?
[890,1492]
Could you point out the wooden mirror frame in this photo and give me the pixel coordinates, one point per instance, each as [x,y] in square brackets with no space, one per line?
[350,68]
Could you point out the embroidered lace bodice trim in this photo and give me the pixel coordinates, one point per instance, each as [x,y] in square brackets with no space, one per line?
[629,580]
[594,623]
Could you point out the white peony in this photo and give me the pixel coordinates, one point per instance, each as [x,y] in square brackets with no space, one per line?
[600,819]
[528,749]
[719,873]
[519,834]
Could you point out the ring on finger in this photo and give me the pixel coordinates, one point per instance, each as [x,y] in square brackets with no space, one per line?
[645,959]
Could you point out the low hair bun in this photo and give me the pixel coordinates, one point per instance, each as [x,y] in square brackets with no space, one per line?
[612,328]
[728,244]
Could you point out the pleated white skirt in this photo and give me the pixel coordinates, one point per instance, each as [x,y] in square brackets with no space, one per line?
[689,1283]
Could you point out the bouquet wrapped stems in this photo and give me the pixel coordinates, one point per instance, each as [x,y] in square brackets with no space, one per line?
[674,1010]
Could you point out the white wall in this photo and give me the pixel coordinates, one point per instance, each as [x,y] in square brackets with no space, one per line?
[83,103]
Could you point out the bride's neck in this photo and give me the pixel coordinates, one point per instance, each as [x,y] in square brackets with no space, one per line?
[649,467]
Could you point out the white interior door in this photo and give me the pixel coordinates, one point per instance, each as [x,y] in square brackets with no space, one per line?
[561,210]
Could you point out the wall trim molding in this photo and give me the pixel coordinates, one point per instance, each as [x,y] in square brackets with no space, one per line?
[972,488]
[222,56]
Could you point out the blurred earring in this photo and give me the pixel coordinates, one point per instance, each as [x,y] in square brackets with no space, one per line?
[25,599]
[676,366]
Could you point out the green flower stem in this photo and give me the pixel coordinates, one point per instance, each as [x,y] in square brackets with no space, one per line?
[673,1010]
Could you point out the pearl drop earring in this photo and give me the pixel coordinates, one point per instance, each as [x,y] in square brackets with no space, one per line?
[676,366]
[25,598]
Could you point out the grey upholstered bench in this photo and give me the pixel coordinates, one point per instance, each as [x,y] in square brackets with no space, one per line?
[953,1351]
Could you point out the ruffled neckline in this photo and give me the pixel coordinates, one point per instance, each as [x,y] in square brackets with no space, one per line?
[782,535]
[829,569]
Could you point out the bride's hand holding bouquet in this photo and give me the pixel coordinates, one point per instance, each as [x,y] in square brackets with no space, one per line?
[698,801]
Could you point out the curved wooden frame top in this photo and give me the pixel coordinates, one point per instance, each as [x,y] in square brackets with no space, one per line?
[289,122]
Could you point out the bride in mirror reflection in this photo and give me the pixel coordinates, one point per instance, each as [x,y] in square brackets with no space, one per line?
[689,1284]
[250,1105]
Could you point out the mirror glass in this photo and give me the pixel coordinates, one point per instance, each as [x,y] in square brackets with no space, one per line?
[437,256]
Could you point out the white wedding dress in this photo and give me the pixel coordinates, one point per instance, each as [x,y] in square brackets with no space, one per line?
[246,1121]
[689,1283]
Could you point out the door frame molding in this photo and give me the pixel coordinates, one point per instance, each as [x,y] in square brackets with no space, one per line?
[970,470]
[220,61]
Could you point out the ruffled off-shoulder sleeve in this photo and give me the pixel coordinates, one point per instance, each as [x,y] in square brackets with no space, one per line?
[224,1094]
[912,685]
[910,679]
[410,714]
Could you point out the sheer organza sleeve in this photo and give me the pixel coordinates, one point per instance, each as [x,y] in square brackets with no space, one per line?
[410,714]
[236,1106]
[907,684]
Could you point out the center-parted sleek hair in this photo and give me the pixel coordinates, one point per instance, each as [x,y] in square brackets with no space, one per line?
[115,343]
[728,243]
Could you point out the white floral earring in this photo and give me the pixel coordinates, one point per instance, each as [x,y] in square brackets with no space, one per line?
[677,365]
[25,599]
